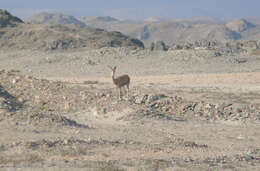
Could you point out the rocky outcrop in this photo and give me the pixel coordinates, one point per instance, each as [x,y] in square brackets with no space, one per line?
[158,46]
[205,111]
[6,19]
[221,47]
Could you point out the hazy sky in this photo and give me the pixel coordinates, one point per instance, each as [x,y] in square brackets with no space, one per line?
[137,9]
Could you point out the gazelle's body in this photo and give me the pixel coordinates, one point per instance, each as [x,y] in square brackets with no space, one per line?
[120,81]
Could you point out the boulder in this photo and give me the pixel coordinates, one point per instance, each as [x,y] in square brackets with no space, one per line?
[158,46]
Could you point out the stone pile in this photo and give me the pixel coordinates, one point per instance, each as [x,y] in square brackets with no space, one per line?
[206,111]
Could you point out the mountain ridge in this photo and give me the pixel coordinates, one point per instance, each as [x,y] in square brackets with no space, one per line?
[59,36]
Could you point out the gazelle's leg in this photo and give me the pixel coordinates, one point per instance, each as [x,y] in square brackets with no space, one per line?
[127,86]
[119,93]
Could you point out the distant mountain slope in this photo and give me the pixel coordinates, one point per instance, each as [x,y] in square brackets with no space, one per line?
[253,20]
[239,25]
[251,34]
[246,29]
[104,22]
[99,19]
[6,19]
[171,31]
[52,37]
[54,18]
[177,30]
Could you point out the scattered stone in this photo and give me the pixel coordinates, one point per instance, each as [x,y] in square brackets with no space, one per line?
[241,60]
[219,48]
[158,46]
[21,100]
[140,99]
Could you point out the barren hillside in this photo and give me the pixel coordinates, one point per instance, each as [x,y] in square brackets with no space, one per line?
[54,18]
[6,19]
[52,37]
[168,30]
[173,31]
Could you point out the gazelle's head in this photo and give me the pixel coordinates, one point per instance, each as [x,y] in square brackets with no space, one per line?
[113,70]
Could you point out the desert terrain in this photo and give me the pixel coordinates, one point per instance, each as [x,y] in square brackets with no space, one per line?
[60,111]
[189,108]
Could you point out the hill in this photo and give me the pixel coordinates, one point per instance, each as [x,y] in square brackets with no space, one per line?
[253,20]
[52,37]
[171,31]
[239,25]
[54,18]
[6,19]
[247,30]
[183,30]
[105,22]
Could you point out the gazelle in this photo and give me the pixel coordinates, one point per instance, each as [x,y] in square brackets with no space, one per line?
[120,81]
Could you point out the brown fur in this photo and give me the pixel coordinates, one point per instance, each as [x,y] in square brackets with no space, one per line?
[120,81]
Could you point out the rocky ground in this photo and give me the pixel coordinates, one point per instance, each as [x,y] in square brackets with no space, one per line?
[188,110]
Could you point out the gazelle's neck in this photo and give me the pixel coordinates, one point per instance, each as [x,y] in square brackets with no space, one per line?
[113,75]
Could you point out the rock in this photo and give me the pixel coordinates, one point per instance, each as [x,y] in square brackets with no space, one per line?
[252,44]
[158,46]
[21,100]
[238,110]
[104,110]
[176,47]
[66,141]
[205,44]
[187,46]
[140,99]
[198,107]
[241,60]
[224,106]
[152,98]
[217,54]
[14,81]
